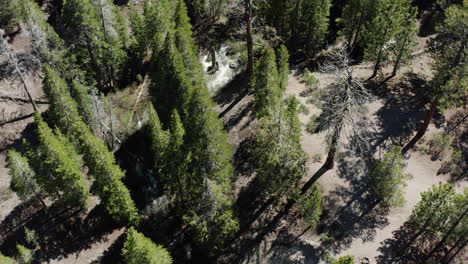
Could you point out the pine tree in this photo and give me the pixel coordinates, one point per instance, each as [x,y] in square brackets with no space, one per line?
[157,16]
[313,26]
[391,18]
[101,163]
[265,83]
[283,67]
[58,167]
[89,27]
[356,20]
[311,207]
[159,139]
[138,249]
[387,179]
[449,86]
[138,38]
[23,177]
[175,177]
[431,213]
[280,160]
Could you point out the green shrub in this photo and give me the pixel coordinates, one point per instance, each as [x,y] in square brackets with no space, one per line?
[311,207]
[25,255]
[31,237]
[348,259]
[317,157]
[312,125]
[310,81]
[303,109]
[439,144]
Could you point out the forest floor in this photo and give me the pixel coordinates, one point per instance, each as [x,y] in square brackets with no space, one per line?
[369,230]
[267,234]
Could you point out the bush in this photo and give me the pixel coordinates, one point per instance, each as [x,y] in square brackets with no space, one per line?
[315,97]
[25,255]
[348,259]
[311,207]
[455,166]
[303,109]
[31,237]
[439,144]
[312,125]
[310,81]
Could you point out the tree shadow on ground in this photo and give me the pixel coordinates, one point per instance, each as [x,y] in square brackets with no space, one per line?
[61,231]
[239,115]
[402,113]
[287,248]
[73,234]
[112,255]
[228,94]
[359,217]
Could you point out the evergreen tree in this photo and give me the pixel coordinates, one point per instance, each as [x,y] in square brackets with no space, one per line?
[431,213]
[313,27]
[158,22]
[138,249]
[391,17]
[283,67]
[90,27]
[25,254]
[23,178]
[138,38]
[311,207]
[449,86]
[265,83]
[356,21]
[387,179]
[58,167]
[175,177]
[101,163]
[280,160]
[210,167]
[159,139]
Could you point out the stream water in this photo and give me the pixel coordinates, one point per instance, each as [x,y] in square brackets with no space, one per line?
[228,68]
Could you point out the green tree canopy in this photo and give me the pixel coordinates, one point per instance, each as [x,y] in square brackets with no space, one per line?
[138,249]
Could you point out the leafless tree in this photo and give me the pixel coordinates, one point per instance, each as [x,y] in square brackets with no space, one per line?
[343,111]
[18,67]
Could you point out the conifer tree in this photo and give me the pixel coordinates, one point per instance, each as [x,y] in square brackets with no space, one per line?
[387,179]
[313,25]
[391,18]
[283,67]
[138,249]
[89,28]
[280,160]
[265,83]
[23,177]
[449,85]
[159,139]
[58,167]
[157,16]
[101,163]
[138,38]
[356,20]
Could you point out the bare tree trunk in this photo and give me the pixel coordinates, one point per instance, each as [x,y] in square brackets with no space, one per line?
[422,130]
[248,22]
[442,241]
[377,66]
[25,86]
[330,162]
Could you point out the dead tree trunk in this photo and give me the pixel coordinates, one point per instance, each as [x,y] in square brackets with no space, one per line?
[422,130]
[330,162]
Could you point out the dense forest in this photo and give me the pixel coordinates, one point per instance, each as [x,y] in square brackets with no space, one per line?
[233,131]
